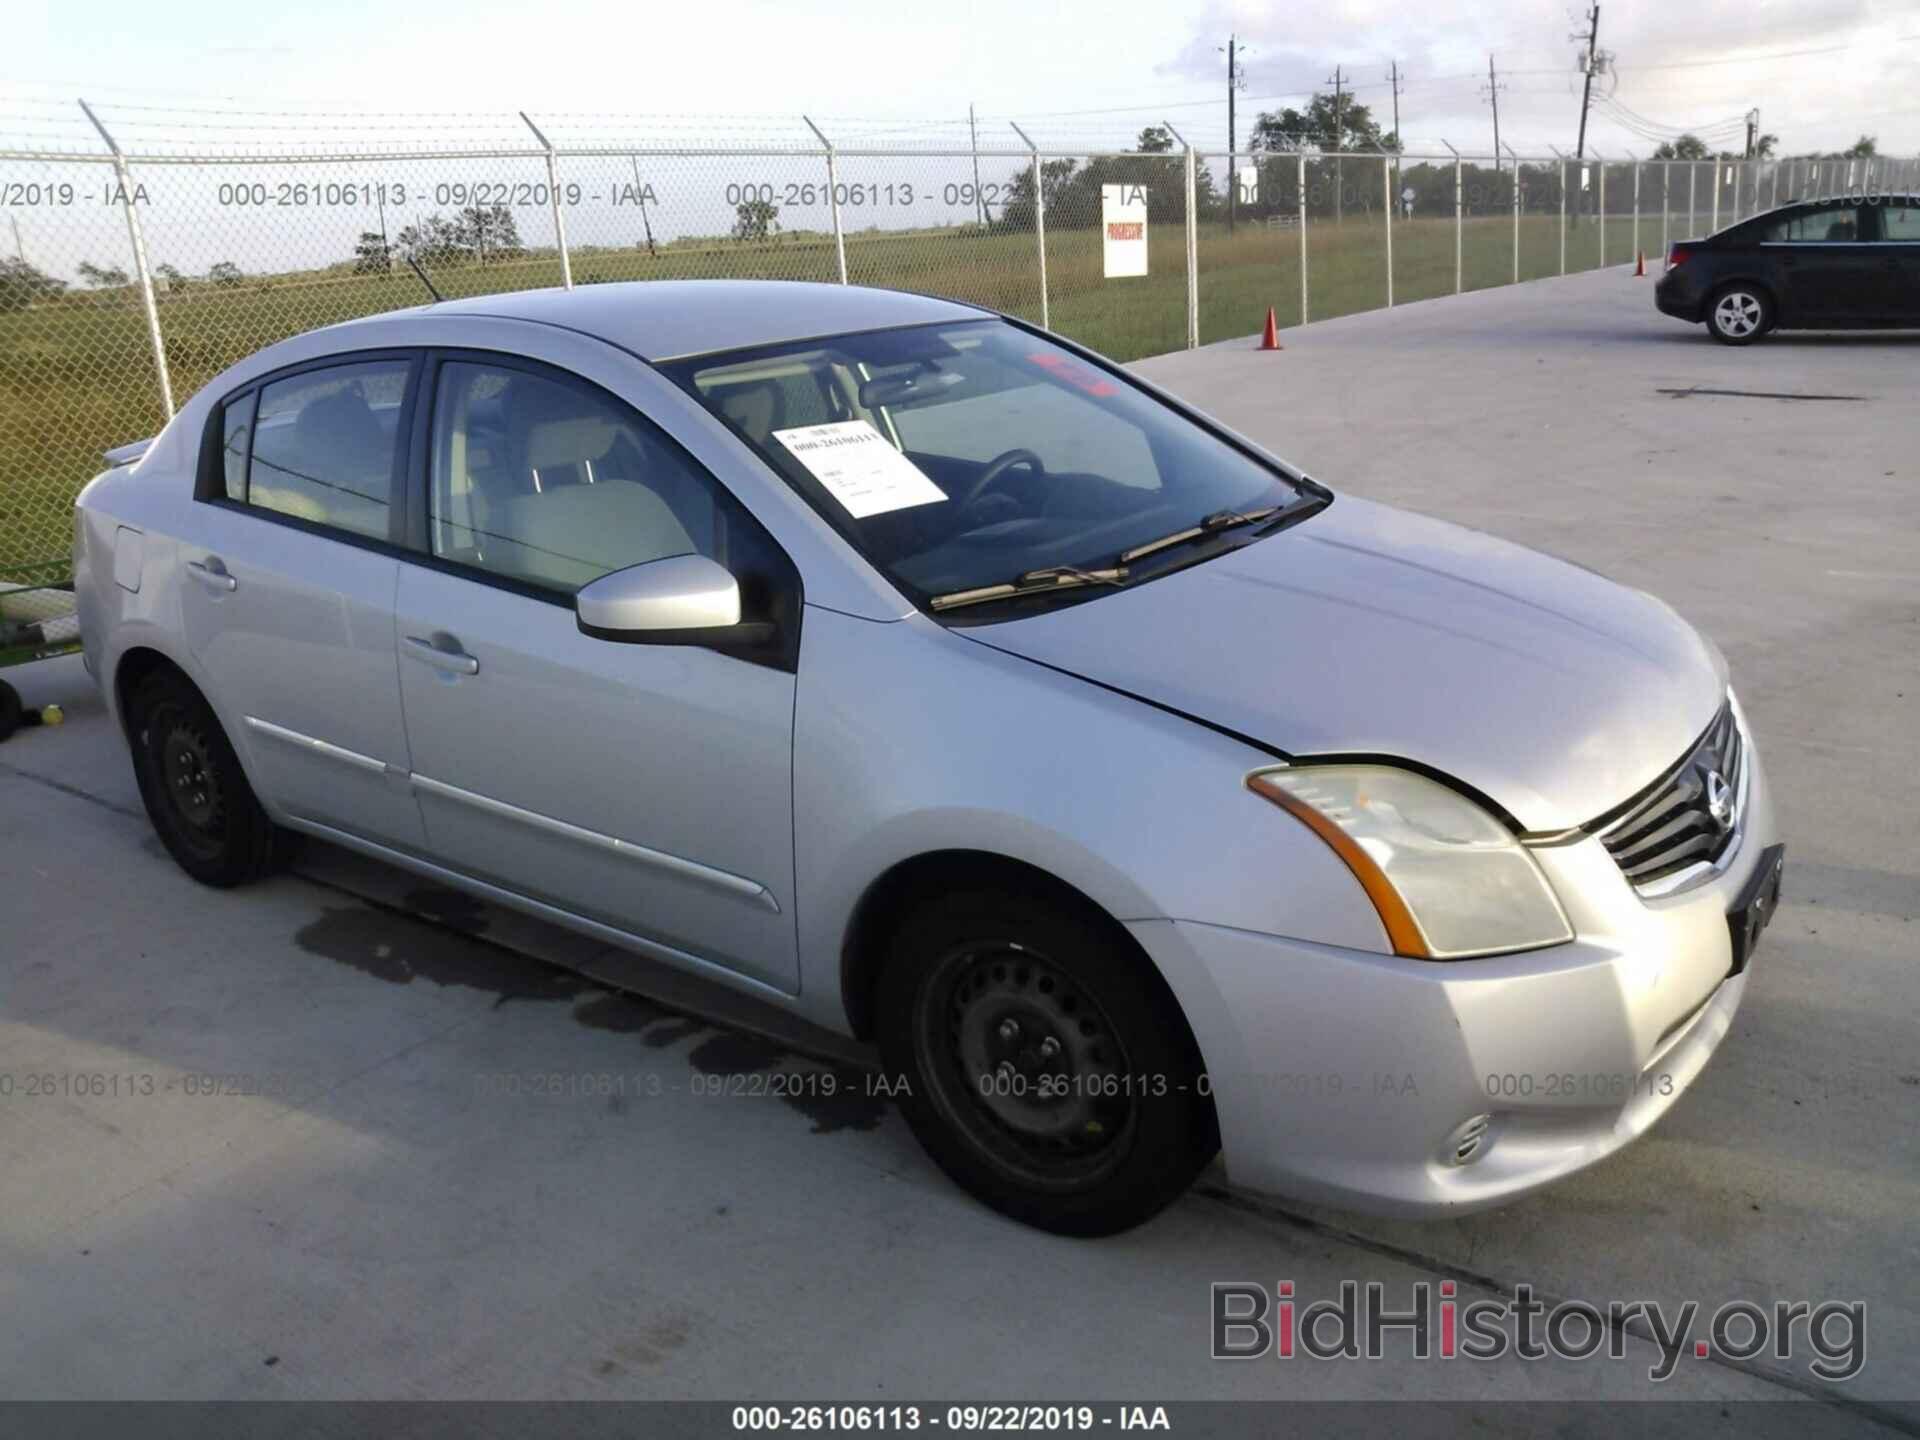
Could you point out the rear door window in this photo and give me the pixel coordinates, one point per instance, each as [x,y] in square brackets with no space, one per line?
[327,446]
[1833,224]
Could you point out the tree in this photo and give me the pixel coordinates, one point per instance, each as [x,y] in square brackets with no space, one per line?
[1017,209]
[432,241]
[1861,149]
[490,233]
[372,255]
[1687,147]
[172,276]
[21,284]
[100,276]
[225,273]
[1764,147]
[755,219]
[1322,126]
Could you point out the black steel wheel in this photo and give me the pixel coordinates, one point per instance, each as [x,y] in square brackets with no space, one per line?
[195,792]
[1048,1069]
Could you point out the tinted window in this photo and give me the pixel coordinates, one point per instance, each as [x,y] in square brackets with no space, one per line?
[326,446]
[1835,223]
[233,446]
[557,484]
[1901,224]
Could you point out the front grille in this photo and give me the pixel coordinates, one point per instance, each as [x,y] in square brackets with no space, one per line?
[1674,833]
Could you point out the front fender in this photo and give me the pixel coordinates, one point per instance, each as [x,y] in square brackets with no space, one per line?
[909,740]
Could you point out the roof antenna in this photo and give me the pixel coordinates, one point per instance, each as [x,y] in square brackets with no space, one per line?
[415,265]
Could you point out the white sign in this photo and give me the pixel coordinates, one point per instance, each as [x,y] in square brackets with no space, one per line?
[1247,179]
[859,468]
[1123,230]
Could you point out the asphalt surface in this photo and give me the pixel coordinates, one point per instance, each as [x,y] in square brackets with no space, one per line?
[451,1170]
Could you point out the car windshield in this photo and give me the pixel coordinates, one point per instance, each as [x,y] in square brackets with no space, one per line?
[970,456]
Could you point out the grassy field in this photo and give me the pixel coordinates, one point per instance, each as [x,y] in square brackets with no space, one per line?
[76,375]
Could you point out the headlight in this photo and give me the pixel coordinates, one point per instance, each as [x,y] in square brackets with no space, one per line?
[1448,879]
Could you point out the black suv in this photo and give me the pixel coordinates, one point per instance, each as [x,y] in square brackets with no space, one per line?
[1851,263]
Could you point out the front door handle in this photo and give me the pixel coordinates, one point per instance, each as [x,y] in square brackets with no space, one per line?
[212,573]
[453,660]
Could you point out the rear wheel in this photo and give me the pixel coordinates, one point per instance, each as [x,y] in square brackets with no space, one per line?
[195,792]
[1739,315]
[1049,1071]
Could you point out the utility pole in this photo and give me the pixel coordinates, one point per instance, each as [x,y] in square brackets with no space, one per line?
[1236,81]
[1753,130]
[386,249]
[979,203]
[19,250]
[1590,63]
[1586,91]
[1394,76]
[1493,95]
[1339,144]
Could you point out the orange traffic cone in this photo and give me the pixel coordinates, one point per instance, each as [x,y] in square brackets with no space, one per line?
[1270,338]
[1640,266]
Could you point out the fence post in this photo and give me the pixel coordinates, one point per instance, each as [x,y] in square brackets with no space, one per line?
[1715,224]
[1386,191]
[1300,159]
[1456,218]
[1693,187]
[1516,207]
[1600,182]
[553,195]
[1039,221]
[139,243]
[1193,237]
[833,202]
[1636,210]
[1563,212]
[1666,195]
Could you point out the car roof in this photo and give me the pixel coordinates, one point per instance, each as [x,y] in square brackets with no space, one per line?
[671,319]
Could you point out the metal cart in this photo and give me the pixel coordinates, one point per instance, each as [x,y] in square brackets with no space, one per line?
[37,622]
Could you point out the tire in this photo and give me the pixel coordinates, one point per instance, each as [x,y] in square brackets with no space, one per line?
[1086,1117]
[10,711]
[195,792]
[1739,314]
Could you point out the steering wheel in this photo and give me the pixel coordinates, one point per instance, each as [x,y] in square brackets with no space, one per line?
[999,466]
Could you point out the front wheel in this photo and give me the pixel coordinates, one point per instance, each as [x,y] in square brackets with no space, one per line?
[1739,315]
[195,792]
[1048,1070]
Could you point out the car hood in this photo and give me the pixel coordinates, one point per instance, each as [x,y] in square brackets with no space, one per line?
[1371,631]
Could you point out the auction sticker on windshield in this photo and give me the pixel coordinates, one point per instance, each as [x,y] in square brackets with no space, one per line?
[859,467]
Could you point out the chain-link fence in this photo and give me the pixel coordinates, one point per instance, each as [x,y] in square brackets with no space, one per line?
[136,277]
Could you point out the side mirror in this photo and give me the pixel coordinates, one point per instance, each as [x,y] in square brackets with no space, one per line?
[683,599]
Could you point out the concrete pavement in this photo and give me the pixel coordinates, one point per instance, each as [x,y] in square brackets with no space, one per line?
[434,1166]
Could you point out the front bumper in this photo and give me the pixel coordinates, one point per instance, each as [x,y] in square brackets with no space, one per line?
[1347,1077]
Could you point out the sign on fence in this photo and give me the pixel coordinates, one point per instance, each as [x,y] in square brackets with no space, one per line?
[1123,230]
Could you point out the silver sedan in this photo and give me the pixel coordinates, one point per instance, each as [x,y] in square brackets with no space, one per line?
[918,671]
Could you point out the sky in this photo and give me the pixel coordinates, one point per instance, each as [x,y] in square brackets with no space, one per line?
[1821,72]
[349,78]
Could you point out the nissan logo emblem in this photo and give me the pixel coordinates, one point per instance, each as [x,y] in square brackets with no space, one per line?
[1719,800]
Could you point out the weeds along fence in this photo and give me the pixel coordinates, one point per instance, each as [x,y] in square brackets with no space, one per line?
[132,275]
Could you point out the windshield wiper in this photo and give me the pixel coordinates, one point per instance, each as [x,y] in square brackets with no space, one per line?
[1033,582]
[1208,525]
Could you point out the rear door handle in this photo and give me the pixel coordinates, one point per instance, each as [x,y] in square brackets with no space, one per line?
[454,661]
[212,573]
